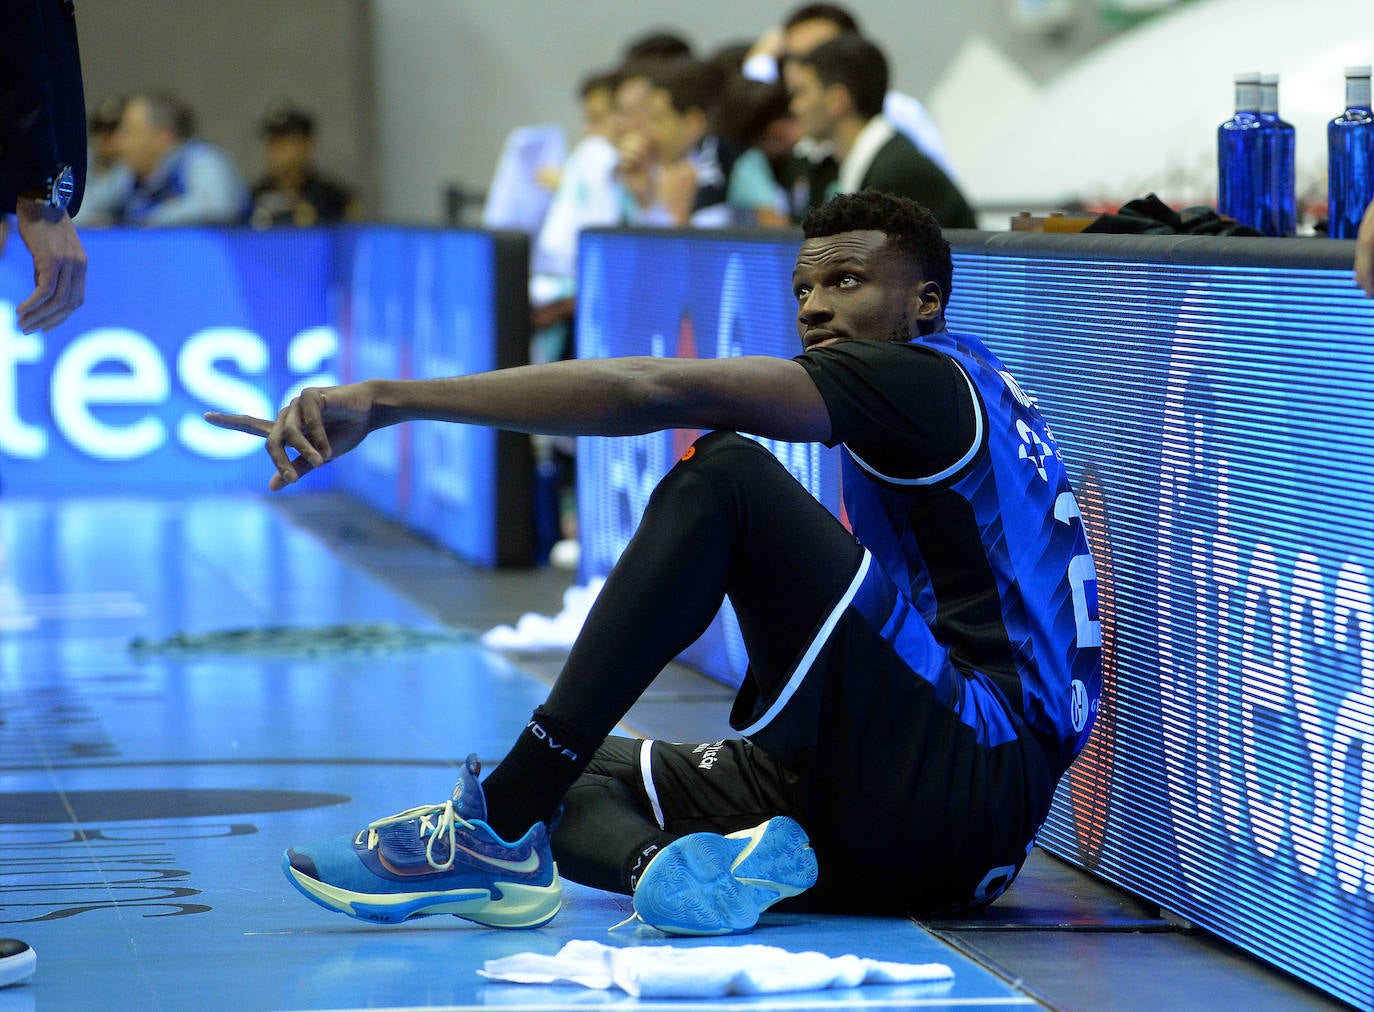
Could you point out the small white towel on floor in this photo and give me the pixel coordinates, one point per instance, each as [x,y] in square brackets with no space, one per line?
[663,971]
[548,632]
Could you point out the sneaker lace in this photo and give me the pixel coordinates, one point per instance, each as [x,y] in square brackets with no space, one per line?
[445,826]
[634,919]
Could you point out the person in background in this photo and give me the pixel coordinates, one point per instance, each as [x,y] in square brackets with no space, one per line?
[806,28]
[175,178]
[682,179]
[106,177]
[585,197]
[43,158]
[1364,252]
[292,191]
[837,95]
[756,117]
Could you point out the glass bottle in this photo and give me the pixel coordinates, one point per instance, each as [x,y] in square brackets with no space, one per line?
[1350,158]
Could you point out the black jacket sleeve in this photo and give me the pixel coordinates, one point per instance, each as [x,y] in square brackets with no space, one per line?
[42,105]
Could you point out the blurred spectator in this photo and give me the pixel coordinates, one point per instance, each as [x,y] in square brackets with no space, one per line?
[175,178]
[805,29]
[837,95]
[107,180]
[756,117]
[586,196]
[683,179]
[589,194]
[292,191]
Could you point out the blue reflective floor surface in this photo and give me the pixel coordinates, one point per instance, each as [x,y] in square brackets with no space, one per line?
[188,687]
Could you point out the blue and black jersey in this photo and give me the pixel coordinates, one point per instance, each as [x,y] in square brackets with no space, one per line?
[955,485]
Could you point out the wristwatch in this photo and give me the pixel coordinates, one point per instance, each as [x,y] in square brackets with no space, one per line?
[56,191]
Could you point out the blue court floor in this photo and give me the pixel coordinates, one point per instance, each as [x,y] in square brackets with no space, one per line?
[189,687]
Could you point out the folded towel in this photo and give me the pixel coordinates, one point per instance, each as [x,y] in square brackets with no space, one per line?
[663,971]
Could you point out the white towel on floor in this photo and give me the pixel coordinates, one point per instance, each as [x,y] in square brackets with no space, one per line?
[544,632]
[662,971]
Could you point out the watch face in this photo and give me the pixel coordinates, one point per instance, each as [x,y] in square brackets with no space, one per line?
[62,188]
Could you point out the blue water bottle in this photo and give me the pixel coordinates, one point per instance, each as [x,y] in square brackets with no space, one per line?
[1350,158]
[1240,156]
[1280,143]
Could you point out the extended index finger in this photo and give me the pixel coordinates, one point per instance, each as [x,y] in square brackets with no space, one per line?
[239,423]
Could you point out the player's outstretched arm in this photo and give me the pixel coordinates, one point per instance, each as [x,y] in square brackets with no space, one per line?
[766,396]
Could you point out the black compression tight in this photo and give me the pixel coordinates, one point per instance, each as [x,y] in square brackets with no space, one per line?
[727,520]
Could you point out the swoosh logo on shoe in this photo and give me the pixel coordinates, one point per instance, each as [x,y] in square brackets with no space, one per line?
[528,866]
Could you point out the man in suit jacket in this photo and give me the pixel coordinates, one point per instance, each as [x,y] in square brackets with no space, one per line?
[837,94]
[43,151]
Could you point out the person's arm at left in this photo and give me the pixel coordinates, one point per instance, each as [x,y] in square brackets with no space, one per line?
[771,397]
[59,266]
[28,140]
[1364,252]
[215,195]
[28,153]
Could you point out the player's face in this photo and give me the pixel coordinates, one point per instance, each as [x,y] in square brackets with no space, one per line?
[853,287]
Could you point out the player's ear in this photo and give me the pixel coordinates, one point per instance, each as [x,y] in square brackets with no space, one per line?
[927,301]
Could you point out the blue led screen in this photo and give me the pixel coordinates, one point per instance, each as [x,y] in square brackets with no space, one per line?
[180,321]
[173,324]
[1212,398]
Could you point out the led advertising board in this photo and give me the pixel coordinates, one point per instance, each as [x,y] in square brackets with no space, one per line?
[174,323]
[1211,397]
[178,321]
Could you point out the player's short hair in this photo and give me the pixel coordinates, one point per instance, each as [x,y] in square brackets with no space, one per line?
[911,229]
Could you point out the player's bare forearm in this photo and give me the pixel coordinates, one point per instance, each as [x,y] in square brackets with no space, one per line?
[766,396]
[616,397]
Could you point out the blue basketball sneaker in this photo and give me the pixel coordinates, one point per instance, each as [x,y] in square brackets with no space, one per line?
[707,884]
[435,859]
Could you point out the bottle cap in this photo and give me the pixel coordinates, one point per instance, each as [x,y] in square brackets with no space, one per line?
[1254,78]
[1357,71]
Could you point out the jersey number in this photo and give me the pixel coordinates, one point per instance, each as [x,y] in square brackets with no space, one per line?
[1082,579]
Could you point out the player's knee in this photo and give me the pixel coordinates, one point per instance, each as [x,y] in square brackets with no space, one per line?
[728,455]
